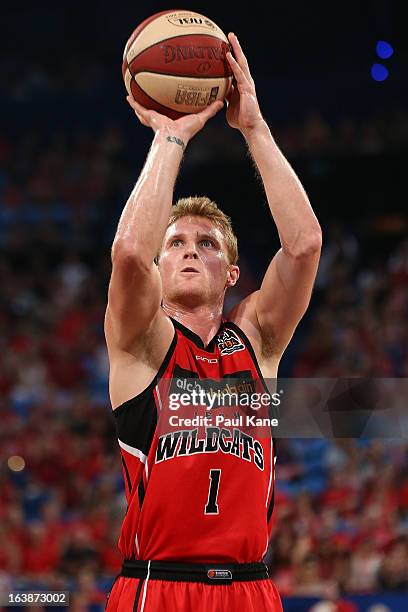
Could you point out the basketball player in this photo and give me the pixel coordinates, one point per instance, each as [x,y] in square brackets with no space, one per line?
[198,521]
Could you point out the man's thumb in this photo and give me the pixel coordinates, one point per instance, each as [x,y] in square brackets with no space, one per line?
[213,109]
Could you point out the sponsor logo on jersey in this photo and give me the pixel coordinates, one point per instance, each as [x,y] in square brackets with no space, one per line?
[228,342]
[217,574]
[206,359]
[187,381]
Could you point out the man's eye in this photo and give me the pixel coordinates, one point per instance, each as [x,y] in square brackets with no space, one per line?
[207,242]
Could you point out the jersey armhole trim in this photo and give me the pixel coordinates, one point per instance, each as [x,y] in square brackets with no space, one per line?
[122,407]
[258,369]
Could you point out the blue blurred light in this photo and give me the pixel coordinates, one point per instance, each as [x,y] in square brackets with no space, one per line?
[379,72]
[384,49]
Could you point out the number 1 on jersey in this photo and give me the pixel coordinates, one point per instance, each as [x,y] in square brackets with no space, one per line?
[212,506]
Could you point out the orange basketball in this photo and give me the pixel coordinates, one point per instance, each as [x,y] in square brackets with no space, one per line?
[175,63]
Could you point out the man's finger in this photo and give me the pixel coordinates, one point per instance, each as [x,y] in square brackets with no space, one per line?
[138,115]
[145,115]
[133,105]
[141,110]
[239,54]
[230,94]
[239,74]
[211,110]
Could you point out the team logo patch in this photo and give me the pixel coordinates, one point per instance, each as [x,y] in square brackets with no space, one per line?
[228,342]
[217,574]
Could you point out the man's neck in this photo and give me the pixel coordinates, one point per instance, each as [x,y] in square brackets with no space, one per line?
[203,320]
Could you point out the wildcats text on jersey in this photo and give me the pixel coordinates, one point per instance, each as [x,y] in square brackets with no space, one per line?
[240,444]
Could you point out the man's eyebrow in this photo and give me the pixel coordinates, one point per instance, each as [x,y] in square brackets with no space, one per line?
[200,235]
[176,236]
[206,235]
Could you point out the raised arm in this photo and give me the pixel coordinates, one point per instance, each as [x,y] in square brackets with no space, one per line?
[282,300]
[135,287]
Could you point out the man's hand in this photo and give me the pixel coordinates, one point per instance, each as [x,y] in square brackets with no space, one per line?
[185,128]
[243,111]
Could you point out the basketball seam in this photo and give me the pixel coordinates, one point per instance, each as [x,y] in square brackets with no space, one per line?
[184,76]
[179,36]
[152,18]
[148,21]
[154,100]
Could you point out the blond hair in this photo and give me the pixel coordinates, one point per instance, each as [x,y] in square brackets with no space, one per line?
[201,206]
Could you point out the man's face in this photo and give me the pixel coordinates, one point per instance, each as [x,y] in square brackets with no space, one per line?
[194,264]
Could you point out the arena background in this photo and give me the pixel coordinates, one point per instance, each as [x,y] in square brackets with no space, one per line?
[70,151]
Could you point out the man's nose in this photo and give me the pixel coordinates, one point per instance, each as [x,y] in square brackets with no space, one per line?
[190,252]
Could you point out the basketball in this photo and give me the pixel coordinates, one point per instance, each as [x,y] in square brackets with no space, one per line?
[175,63]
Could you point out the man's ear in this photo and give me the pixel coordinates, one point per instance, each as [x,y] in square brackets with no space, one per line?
[232,276]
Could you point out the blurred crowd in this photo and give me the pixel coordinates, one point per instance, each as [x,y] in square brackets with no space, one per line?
[341,518]
[61,489]
[359,323]
[313,135]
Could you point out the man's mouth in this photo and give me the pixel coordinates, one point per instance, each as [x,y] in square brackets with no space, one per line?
[190,269]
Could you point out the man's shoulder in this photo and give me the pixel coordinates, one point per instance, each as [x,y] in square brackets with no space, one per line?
[132,369]
[159,332]
[244,316]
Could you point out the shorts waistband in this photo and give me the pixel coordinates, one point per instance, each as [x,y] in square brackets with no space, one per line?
[209,573]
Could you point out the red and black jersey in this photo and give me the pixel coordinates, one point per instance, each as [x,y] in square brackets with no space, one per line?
[189,500]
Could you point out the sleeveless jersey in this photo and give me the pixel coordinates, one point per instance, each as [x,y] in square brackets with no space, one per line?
[192,499]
